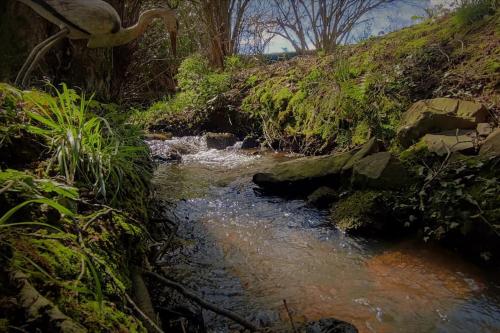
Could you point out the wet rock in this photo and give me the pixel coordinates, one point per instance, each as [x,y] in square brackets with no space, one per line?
[303,173]
[220,140]
[330,325]
[250,142]
[484,129]
[323,197]
[450,141]
[438,115]
[491,146]
[380,171]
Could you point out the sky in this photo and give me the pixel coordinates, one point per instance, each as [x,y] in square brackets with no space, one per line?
[400,14]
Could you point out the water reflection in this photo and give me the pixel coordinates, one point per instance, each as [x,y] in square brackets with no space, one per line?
[250,252]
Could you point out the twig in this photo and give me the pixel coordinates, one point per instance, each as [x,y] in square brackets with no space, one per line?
[209,306]
[143,315]
[290,316]
[99,214]
[10,183]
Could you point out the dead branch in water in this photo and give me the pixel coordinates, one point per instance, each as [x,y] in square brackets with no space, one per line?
[207,305]
[290,317]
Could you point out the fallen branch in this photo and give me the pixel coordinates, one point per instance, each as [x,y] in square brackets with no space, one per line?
[207,305]
[142,314]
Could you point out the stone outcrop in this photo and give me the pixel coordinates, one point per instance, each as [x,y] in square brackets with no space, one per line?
[438,115]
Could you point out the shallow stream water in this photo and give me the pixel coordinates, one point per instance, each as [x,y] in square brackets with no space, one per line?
[249,252]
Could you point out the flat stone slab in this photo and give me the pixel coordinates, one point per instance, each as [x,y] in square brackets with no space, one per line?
[449,142]
[491,146]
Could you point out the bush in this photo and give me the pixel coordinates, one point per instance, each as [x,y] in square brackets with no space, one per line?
[472,11]
[87,150]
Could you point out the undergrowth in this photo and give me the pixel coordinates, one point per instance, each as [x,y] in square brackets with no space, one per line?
[68,218]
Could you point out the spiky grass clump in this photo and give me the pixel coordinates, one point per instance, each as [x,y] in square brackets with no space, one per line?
[87,150]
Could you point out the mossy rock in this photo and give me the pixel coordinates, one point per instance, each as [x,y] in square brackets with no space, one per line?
[363,212]
[380,171]
[323,197]
[220,140]
[303,173]
[438,115]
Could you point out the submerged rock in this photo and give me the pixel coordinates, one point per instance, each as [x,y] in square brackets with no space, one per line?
[380,171]
[220,140]
[491,146]
[330,325]
[303,173]
[438,115]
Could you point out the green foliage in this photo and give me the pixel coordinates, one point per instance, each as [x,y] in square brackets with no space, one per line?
[87,150]
[472,11]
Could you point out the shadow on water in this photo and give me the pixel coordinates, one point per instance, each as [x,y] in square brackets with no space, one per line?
[248,252]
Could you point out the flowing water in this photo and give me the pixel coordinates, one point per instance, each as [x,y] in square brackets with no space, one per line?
[249,252]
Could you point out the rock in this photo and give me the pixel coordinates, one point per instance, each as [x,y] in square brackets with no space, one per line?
[380,171]
[323,197]
[250,142]
[438,115]
[330,325]
[371,147]
[220,140]
[491,146]
[303,173]
[484,129]
[362,212]
[158,136]
[450,141]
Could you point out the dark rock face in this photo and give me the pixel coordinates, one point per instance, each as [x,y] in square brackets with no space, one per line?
[250,142]
[438,115]
[330,325]
[220,140]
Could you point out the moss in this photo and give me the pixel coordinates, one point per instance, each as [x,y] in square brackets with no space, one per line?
[415,153]
[4,325]
[356,211]
[109,318]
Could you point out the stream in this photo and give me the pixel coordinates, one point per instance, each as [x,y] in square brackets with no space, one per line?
[248,252]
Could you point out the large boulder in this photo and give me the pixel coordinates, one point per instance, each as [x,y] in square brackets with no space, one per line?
[438,115]
[303,173]
[449,142]
[491,146]
[380,171]
[220,140]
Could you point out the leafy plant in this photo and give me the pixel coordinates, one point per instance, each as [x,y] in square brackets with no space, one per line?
[87,150]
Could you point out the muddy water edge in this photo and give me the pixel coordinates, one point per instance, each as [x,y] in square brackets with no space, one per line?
[248,252]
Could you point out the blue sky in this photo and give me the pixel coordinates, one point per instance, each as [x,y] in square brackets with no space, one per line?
[381,20]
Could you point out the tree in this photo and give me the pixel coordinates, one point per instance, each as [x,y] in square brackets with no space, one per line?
[322,24]
[224,21]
